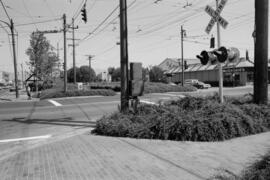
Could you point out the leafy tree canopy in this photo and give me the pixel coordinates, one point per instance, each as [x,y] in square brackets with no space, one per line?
[42,58]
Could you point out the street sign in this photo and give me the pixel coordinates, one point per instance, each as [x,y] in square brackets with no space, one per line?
[216,16]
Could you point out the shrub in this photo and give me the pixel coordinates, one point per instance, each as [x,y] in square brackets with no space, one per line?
[258,170]
[151,87]
[188,119]
[59,93]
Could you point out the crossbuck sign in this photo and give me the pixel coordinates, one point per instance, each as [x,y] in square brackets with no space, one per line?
[216,16]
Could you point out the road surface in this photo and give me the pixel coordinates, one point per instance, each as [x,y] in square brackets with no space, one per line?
[51,120]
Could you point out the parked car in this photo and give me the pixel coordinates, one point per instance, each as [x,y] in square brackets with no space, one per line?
[198,84]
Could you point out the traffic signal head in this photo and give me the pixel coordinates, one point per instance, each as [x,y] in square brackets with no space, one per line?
[84,15]
[204,57]
[221,54]
[185,64]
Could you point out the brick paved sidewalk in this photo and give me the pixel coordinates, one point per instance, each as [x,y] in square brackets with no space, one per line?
[95,157]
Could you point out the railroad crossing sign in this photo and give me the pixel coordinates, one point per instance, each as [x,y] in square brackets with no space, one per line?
[216,16]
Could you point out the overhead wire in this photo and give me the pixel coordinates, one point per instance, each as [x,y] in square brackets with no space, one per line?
[92,32]
[4,7]
[9,43]
[25,7]
[49,7]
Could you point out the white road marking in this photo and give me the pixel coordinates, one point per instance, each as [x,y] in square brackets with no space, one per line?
[148,102]
[25,139]
[55,103]
[173,95]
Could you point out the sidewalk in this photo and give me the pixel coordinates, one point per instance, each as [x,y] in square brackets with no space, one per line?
[11,97]
[95,157]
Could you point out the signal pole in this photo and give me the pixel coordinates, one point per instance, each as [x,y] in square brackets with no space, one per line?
[182,55]
[124,56]
[220,71]
[65,54]
[261,52]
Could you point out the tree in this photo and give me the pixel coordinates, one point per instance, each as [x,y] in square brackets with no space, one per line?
[82,74]
[41,56]
[116,75]
[70,76]
[156,74]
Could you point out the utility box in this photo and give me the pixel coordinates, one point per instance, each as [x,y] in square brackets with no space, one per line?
[136,83]
[80,86]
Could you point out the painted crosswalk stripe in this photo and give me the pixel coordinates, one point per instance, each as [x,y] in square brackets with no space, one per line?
[55,103]
[25,139]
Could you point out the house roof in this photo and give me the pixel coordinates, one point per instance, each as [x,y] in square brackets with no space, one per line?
[199,67]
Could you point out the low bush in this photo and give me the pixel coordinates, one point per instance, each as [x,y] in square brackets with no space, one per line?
[189,119]
[59,93]
[258,170]
[151,87]
[115,86]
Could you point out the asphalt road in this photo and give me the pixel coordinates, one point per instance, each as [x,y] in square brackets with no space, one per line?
[63,117]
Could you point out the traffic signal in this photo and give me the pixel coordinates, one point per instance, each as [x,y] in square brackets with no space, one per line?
[221,55]
[185,64]
[206,56]
[84,15]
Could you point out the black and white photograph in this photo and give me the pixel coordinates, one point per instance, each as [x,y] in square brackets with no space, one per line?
[134,90]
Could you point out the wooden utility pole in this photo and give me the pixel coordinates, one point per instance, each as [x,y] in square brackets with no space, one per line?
[182,55]
[73,44]
[14,58]
[124,56]
[90,57]
[65,54]
[261,52]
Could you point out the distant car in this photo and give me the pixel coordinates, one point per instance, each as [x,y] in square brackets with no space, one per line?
[204,85]
[172,84]
[198,84]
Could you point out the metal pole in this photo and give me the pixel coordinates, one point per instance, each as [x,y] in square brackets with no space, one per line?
[65,54]
[14,58]
[73,40]
[182,54]
[261,52]
[124,56]
[90,57]
[220,71]
[22,71]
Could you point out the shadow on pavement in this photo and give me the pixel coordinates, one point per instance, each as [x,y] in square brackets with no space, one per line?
[59,121]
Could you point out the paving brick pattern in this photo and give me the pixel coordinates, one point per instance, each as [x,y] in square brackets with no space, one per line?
[84,157]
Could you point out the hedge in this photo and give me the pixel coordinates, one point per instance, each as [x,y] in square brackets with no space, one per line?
[189,119]
[59,93]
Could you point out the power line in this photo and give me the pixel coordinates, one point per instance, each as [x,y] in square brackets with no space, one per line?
[39,22]
[111,13]
[49,7]
[9,43]
[25,7]
[5,10]
[130,5]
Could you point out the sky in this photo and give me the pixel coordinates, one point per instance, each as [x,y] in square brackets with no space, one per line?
[153,29]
